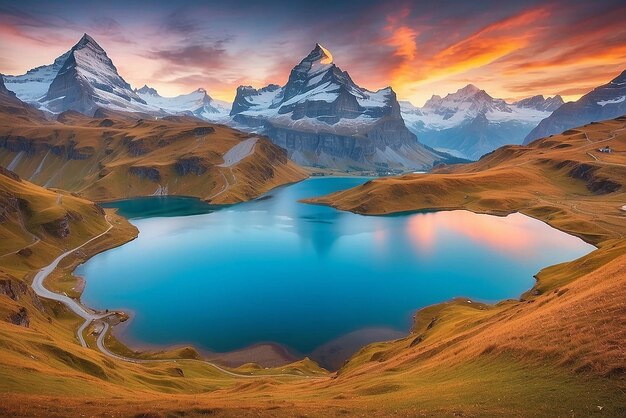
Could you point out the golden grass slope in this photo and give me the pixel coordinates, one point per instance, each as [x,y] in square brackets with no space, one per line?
[116,155]
[557,352]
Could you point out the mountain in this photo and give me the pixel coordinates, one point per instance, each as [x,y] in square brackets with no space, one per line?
[322,118]
[115,155]
[85,79]
[33,85]
[197,103]
[14,110]
[539,102]
[4,92]
[470,123]
[89,80]
[604,102]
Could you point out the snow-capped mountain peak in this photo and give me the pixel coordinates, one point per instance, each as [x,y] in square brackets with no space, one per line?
[197,103]
[87,42]
[472,122]
[89,80]
[85,79]
[325,57]
[323,118]
[541,103]
[468,90]
[467,102]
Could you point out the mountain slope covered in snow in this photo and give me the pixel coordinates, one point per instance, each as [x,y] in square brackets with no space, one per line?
[33,85]
[89,80]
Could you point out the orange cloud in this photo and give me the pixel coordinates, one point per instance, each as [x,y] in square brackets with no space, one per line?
[483,47]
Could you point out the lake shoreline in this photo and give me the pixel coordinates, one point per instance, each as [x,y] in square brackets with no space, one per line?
[146,349]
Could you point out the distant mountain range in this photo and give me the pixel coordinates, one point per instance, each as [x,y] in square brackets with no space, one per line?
[322,118]
[470,123]
[604,102]
[198,103]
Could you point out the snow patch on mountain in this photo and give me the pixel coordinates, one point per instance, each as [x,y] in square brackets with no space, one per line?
[612,101]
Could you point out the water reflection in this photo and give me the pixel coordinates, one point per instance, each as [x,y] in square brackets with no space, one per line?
[309,277]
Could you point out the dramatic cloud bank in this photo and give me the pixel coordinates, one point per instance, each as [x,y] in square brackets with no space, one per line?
[511,49]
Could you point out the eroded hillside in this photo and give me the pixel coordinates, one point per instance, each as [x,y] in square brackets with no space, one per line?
[117,155]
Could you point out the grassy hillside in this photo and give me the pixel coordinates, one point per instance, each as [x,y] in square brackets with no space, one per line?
[556,352]
[116,155]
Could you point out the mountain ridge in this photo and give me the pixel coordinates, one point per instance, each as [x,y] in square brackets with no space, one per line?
[472,123]
[603,102]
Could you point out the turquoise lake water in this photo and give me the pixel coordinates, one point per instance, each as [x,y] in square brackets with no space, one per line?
[313,279]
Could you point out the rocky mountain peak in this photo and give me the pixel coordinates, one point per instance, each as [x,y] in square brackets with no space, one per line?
[469,90]
[620,80]
[320,54]
[87,42]
[539,102]
[147,90]
[319,59]
[3,90]
[89,80]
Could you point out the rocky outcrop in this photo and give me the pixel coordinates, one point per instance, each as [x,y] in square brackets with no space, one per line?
[25,252]
[31,147]
[13,288]
[18,291]
[191,165]
[203,130]
[138,147]
[150,173]
[20,318]
[589,173]
[59,228]
[3,90]
[9,204]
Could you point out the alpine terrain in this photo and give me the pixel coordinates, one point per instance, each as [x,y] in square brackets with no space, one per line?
[322,118]
[471,123]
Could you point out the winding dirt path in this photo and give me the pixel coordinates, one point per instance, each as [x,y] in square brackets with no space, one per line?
[90,316]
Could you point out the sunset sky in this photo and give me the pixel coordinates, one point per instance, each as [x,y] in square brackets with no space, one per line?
[510,49]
